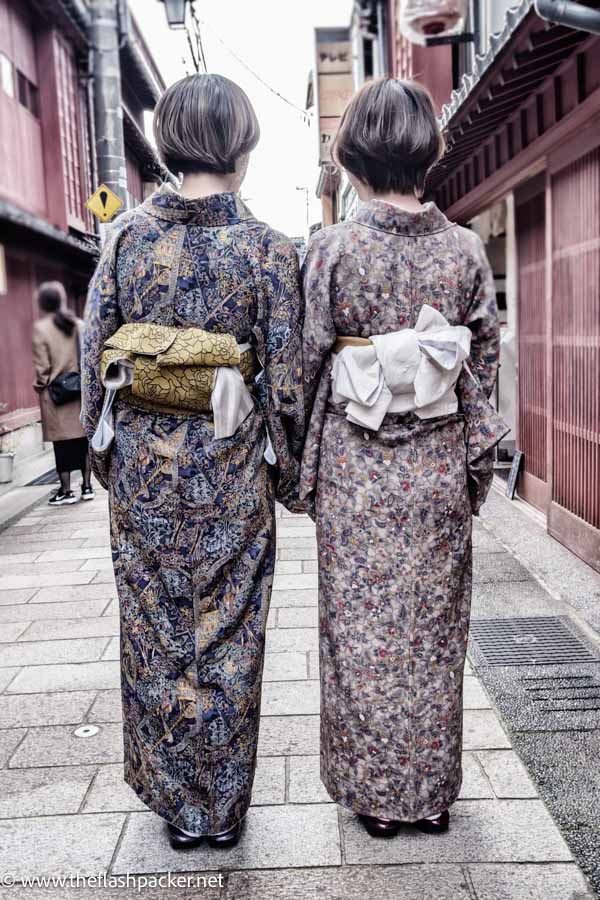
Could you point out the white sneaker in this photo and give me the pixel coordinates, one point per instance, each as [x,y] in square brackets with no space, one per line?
[60,499]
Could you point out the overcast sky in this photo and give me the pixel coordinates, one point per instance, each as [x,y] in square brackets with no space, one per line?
[275,39]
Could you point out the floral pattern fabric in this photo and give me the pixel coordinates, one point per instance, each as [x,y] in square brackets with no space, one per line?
[192,518]
[393,511]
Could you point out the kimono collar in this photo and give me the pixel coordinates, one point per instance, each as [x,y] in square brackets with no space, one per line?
[384,216]
[225,208]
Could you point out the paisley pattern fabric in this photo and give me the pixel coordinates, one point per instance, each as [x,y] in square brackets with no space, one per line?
[192,518]
[393,511]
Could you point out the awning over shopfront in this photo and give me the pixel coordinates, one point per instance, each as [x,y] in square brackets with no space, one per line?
[532,76]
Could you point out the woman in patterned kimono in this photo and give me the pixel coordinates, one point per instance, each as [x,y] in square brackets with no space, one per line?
[396,460]
[192,518]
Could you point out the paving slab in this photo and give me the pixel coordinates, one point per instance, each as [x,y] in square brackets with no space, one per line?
[288,666]
[75,553]
[298,617]
[482,731]
[44,579]
[81,593]
[6,676]
[288,583]
[294,639]
[28,710]
[289,735]
[62,629]
[10,631]
[38,568]
[474,696]
[58,790]
[556,881]
[57,745]
[30,612]
[406,882]
[111,793]
[12,596]
[277,837]
[59,845]
[287,698]
[107,707]
[113,648]
[305,785]
[295,598]
[507,774]
[475,784]
[480,831]
[306,552]
[39,679]
[35,653]
[9,740]
[269,781]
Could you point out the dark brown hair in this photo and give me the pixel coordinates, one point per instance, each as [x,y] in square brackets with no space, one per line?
[389,136]
[204,123]
[52,297]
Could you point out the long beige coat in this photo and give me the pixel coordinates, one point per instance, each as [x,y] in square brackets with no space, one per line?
[54,354]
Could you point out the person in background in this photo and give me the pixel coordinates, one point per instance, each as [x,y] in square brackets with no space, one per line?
[400,349]
[56,341]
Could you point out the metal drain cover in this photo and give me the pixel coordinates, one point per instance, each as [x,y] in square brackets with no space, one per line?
[537,641]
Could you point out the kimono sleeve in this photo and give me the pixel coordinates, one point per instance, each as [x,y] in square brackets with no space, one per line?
[101,320]
[482,320]
[319,332]
[281,390]
[318,338]
[485,427]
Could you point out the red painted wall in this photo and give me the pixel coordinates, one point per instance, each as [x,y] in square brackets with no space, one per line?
[21,153]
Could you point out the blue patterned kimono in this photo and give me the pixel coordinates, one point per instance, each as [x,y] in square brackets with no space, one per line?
[192,519]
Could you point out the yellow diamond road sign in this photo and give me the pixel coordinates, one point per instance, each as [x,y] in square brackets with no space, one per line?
[104,203]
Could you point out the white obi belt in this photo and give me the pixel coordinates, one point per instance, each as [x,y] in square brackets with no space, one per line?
[230,400]
[411,370]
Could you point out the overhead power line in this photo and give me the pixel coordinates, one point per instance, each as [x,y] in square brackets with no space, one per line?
[255,74]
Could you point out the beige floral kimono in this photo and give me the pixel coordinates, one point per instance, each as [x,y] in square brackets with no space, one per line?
[393,510]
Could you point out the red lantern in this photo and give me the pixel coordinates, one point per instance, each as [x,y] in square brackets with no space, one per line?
[422,19]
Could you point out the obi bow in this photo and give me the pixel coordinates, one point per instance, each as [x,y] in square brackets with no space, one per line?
[411,370]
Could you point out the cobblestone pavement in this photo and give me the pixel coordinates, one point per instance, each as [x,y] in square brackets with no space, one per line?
[64,808]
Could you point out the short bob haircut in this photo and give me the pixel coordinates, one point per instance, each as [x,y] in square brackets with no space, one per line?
[389,137]
[204,123]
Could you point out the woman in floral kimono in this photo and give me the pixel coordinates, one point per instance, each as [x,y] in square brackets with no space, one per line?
[192,517]
[400,351]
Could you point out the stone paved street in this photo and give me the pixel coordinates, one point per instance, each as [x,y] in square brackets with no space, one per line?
[64,807]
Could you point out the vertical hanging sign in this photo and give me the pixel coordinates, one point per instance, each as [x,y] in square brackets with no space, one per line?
[334,84]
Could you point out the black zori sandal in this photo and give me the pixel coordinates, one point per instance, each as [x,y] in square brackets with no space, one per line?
[434,826]
[185,840]
[380,828]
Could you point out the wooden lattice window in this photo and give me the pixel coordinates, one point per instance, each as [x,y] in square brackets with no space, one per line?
[73,137]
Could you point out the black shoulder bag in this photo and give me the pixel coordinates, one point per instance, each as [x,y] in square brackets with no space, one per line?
[67,388]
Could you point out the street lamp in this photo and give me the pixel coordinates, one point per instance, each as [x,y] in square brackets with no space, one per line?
[175,10]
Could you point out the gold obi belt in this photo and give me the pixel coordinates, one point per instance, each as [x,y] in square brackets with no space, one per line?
[172,369]
[176,370]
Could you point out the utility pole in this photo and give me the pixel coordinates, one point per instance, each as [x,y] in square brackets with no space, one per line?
[108,114]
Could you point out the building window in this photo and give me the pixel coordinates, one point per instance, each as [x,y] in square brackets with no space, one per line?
[27,94]
[7,78]
[72,135]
